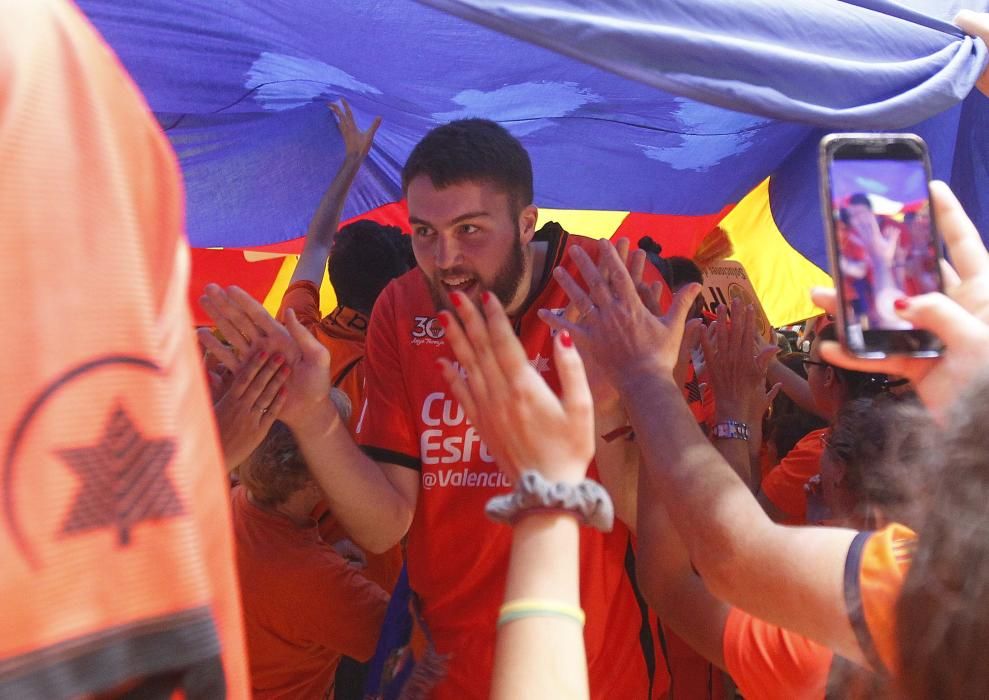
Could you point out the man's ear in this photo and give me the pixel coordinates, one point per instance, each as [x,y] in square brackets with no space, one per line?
[527,223]
[830,376]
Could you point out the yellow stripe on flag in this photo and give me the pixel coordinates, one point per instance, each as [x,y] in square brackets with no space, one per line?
[586,222]
[781,276]
[327,297]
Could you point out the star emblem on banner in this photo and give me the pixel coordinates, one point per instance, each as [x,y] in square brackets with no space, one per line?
[123,480]
[540,363]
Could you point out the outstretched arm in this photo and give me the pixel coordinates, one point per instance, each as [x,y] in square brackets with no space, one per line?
[374,501]
[324,224]
[527,427]
[792,577]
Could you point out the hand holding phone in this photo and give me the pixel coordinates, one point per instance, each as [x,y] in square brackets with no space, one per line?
[960,317]
[882,240]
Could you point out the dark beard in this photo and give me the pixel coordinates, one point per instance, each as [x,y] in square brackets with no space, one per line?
[504,286]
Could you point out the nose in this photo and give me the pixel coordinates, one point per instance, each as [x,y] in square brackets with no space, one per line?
[446,253]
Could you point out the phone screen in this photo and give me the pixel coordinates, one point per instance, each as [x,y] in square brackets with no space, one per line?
[884,244]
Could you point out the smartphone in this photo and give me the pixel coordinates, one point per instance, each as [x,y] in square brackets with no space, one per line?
[882,240]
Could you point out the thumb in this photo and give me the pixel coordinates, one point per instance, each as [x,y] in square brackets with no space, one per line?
[311,348]
[676,317]
[774,392]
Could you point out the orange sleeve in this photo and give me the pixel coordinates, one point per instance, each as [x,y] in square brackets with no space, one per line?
[784,485]
[876,565]
[336,606]
[303,298]
[769,662]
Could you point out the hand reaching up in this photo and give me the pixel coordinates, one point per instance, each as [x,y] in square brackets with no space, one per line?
[524,424]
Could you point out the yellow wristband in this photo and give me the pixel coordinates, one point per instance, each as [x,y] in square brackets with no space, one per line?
[538,607]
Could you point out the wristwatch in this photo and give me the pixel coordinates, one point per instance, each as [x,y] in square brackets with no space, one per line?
[731,430]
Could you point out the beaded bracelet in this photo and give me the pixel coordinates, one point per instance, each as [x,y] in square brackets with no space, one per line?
[538,607]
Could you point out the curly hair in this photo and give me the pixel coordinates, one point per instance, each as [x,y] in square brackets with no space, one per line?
[943,610]
[365,257]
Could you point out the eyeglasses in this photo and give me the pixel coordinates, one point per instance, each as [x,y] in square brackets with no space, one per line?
[806,363]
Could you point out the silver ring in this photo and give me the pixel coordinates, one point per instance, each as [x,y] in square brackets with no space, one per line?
[263,411]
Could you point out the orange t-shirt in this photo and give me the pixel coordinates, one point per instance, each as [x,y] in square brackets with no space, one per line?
[770,663]
[117,554]
[784,485]
[875,568]
[304,605]
[457,558]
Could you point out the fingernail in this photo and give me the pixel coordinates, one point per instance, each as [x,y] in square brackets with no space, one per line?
[444,321]
[282,392]
[901,304]
[279,358]
[485,297]
[455,298]
[565,339]
[262,355]
[285,371]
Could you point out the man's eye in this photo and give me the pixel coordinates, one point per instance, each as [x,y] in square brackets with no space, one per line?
[422,231]
[469,228]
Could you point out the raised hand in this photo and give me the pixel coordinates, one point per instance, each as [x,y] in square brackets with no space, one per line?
[976,24]
[249,406]
[309,405]
[524,424]
[357,142]
[736,364]
[960,318]
[246,325]
[616,329]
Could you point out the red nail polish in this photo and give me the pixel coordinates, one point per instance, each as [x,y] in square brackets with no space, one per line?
[262,355]
[901,303]
[485,297]
[566,339]
[444,321]
[455,298]
[279,358]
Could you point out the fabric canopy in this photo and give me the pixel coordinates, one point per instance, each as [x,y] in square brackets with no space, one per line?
[606,98]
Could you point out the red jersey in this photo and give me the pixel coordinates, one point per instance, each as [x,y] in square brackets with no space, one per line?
[457,558]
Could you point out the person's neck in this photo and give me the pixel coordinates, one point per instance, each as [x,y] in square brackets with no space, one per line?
[534,262]
[296,508]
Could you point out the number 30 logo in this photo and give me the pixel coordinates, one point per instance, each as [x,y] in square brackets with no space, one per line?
[427,327]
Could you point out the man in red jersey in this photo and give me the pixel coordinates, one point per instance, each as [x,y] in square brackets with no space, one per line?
[469,191]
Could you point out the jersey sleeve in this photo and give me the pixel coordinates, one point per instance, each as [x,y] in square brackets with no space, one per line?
[875,567]
[387,428]
[770,662]
[303,298]
[784,485]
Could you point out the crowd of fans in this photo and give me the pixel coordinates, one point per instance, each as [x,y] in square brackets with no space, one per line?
[515,462]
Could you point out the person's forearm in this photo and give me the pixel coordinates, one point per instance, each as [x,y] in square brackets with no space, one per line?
[711,507]
[323,226]
[735,451]
[373,511]
[617,461]
[668,581]
[794,386]
[542,657]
